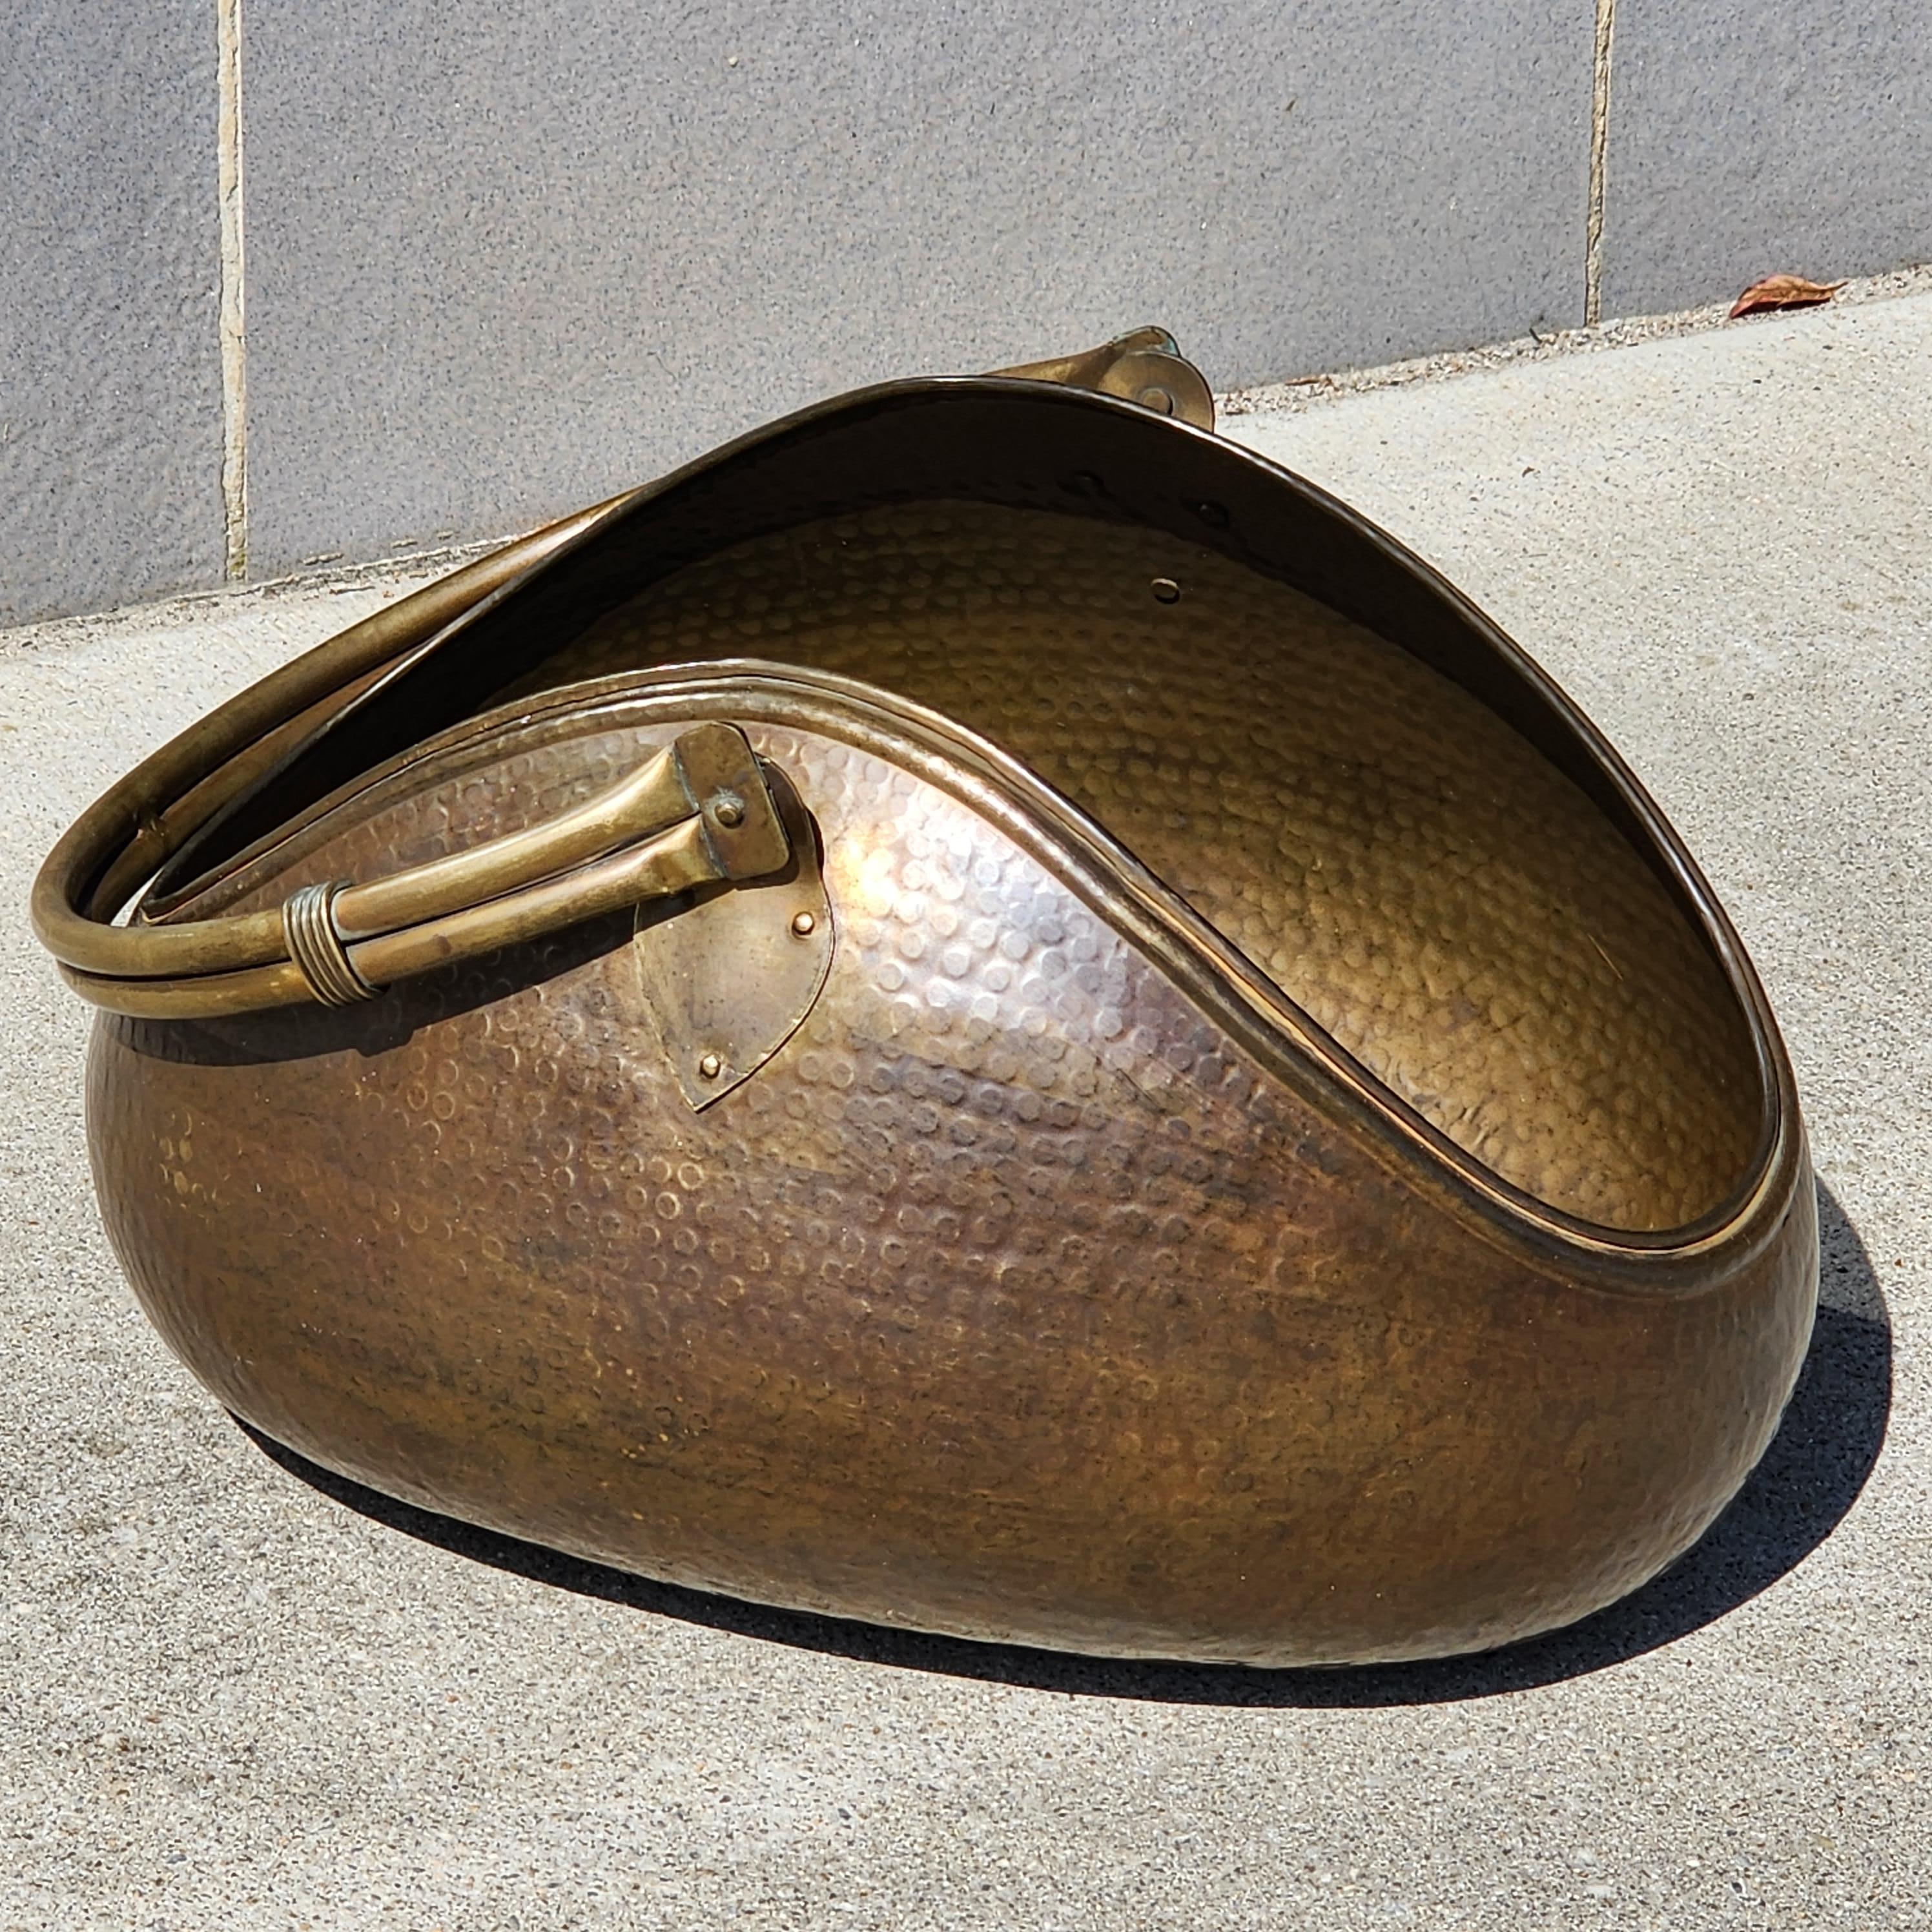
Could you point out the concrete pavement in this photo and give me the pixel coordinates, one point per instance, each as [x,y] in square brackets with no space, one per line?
[234,1694]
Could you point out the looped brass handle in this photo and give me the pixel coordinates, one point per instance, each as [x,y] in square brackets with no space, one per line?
[696,812]
[338,941]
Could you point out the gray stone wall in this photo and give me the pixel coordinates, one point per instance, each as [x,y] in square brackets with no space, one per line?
[490,263]
[110,366]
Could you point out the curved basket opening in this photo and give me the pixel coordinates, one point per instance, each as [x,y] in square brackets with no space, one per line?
[1454,911]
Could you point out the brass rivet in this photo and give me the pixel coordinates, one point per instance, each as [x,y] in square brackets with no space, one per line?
[1166,591]
[710,1067]
[729,809]
[803,925]
[1154,397]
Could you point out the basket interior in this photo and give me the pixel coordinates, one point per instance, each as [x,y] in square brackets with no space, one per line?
[1454,911]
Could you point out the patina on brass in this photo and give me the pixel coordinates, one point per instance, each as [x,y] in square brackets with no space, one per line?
[982,1011]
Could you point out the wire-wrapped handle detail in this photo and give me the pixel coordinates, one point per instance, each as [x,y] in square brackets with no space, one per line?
[309,932]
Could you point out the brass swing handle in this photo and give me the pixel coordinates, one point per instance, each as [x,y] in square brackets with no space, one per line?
[696,812]
[237,965]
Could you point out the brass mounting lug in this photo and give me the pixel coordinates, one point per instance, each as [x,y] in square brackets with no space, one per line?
[1145,366]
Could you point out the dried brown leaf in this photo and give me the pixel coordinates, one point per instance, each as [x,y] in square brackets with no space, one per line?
[1782,291]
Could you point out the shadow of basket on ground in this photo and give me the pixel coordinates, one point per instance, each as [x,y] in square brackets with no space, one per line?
[1826,1448]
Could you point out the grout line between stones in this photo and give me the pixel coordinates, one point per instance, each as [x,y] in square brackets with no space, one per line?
[1600,148]
[233,302]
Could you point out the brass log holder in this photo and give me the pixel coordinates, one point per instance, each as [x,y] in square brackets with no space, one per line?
[981,1011]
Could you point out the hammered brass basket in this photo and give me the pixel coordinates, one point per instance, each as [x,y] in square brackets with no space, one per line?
[982,1011]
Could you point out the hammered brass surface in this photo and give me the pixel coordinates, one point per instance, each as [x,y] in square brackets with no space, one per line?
[1016,1297]
[1425,885]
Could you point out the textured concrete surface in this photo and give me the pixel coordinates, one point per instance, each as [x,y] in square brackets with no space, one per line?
[110,384]
[1755,137]
[500,269]
[232,1695]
